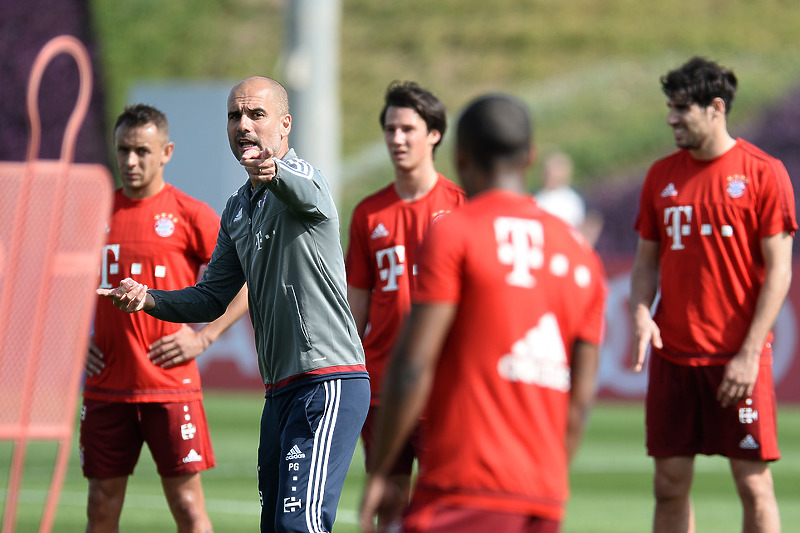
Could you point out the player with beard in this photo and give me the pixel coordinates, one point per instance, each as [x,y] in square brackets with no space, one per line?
[716,224]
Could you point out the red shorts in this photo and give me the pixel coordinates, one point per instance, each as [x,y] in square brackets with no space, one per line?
[405,460]
[684,417]
[112,435]
[436,517]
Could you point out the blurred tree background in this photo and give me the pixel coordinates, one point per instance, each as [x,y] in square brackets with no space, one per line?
[588,68]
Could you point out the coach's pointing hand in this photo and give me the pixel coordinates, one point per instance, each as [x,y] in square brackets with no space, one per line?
[260,165]
[130,296]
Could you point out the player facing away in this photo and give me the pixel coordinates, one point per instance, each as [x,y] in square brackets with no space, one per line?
[386,232]
[716,224]
[500,349]
[142,382]
[280,233]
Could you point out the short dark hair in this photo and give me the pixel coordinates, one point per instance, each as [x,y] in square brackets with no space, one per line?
[699,81]
[409,94]
[140,114]
[496,129]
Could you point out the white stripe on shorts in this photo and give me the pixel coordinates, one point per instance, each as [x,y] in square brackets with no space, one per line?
[318,474]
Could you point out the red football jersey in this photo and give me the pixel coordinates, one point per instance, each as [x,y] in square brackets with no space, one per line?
[709,218]
[386,233]
[527,286]
[161,241]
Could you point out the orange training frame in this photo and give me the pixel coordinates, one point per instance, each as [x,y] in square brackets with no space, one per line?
[52,220]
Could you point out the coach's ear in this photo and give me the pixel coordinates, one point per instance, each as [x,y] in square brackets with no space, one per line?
[285,125]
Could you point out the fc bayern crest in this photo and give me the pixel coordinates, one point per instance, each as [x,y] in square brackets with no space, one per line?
[165,224]
[736,186]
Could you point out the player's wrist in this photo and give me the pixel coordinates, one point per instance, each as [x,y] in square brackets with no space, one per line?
[640,312]
[751,351]
[206,339]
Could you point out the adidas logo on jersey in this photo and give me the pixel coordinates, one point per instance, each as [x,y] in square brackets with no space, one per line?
[193,457]
[379,232]
[669,190]
[749,443]
[295,453]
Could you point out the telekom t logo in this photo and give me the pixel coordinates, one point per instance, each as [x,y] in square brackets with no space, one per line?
[674,218]
[109,267]
[520,243]
[391,264]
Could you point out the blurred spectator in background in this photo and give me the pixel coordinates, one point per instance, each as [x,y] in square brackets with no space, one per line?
[559,198]
[557,195]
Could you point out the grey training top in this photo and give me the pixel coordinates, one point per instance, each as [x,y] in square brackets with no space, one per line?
[283,240]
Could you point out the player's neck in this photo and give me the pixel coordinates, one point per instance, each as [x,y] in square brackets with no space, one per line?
[509,181]
[714,147]
[415,183]
[144,192]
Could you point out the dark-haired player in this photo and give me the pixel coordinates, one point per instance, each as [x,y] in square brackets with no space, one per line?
[501,346]
[386,233]
[716,224]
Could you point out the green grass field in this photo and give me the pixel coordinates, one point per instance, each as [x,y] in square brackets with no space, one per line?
[610,479]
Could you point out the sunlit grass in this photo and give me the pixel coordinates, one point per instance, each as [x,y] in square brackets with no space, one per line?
[610,478]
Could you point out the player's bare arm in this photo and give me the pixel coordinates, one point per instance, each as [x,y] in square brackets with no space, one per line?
[359,300]
[644,285]
[585,356]
[405,393]
[130,296]
[187,343]
[742,370]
